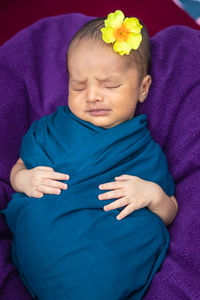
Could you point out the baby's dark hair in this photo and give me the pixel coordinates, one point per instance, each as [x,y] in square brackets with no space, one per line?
[140,58]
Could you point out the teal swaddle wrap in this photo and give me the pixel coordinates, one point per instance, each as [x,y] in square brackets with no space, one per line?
[67,246]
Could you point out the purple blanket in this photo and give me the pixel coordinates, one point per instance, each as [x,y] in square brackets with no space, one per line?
[33,82]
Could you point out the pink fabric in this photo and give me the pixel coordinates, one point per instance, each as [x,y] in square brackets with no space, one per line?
[18,14]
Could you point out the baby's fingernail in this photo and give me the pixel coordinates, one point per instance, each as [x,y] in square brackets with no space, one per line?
[58,192]
[64,186]
[118,218]
[67,177]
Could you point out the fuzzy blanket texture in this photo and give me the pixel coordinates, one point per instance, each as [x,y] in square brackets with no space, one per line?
[33,83]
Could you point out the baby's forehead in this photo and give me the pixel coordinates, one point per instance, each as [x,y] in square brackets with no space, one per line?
[87,45]
[96,50]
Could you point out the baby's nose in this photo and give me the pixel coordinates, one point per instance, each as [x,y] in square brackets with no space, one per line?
[94,94]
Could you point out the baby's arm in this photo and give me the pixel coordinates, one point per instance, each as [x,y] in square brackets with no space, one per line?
[164,206]
[135,193]
[37,181]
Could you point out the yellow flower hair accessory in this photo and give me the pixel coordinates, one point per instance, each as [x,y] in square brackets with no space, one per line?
[123,33]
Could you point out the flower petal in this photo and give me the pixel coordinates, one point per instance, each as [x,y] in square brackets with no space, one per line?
[115,19]
[134,40]
[125,33]
[121,47]
[133,25]
[108,34]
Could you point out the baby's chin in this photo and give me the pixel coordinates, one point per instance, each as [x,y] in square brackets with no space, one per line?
[106,125]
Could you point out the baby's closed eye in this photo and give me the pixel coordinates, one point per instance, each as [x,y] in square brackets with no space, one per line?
[112,86]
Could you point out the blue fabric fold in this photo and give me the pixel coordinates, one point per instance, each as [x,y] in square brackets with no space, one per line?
[67,246]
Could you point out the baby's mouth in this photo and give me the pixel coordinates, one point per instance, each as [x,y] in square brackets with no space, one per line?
[99,112]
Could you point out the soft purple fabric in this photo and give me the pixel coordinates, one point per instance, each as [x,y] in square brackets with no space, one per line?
[33,82]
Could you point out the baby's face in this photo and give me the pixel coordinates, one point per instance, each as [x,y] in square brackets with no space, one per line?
[103,90]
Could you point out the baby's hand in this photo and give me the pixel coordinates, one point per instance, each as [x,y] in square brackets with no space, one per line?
[130,191]
[41,180]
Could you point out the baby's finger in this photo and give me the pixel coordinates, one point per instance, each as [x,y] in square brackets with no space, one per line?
[116,204]
[126,211]
[111,195]
[48,190]
[36,194]
[123,177]
[55,184]
[57,176]
[111,185]
[45,168]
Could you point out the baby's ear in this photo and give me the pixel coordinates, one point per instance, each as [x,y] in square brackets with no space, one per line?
[144,88]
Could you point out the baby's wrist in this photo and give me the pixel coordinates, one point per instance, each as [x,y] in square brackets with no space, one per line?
[157,196]
[19,181]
